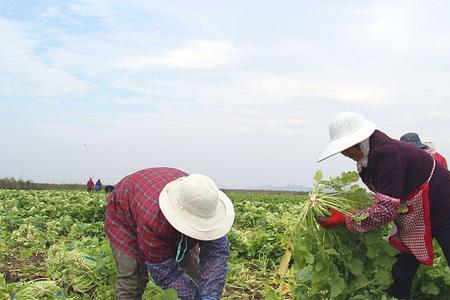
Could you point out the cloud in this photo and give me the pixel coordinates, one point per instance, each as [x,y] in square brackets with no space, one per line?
[29,73]
[287,87]
[131,101]
[203,54]
[443,115]
[249,89]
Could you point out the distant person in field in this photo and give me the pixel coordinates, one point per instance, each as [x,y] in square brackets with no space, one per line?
[173,226]
[98,185]
[429,147]
[90,185]
[411,189]
[109,188]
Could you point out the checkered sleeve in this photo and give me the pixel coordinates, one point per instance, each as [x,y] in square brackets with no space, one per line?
[382,211]
[213,267]
[168,274]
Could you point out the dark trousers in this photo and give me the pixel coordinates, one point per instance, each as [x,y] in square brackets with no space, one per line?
[132,277]
[405,268]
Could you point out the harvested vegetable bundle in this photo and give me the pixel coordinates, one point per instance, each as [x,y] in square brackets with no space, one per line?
[74,270]
[335,263]
[40,289]
[339,193]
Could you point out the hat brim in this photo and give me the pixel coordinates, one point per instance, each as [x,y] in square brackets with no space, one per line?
[194,226]
[341,144]
[420,145]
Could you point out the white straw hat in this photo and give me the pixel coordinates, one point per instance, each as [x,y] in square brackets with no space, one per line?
[194,206]
[346,129]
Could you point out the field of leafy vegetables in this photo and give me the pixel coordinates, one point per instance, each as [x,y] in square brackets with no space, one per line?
[52,246]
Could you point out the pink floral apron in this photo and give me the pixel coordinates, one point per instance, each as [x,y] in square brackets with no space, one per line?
[411,232]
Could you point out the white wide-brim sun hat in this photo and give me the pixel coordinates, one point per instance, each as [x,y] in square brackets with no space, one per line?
[346,130]
[195,206]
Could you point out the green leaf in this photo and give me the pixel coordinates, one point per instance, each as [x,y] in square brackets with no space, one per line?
[318,267]
[169,294]
[359,217]
[372,237]
[403,208]
[349,177]
[319,282]
[284,263]
[361,281]
[305,274]
[391,251]
[372,252]
[358,297]
[446,277]
[332,251]
[309,258]
[337,287]
[271,295]
[318,177]
[355,267]
[430,288]
[384,277]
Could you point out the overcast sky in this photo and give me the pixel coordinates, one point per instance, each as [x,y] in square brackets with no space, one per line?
[241,91]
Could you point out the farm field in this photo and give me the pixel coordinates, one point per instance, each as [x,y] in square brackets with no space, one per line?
[53,241]
[52,246]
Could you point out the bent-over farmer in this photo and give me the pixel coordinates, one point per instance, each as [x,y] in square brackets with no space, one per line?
[173,226]
[402,176]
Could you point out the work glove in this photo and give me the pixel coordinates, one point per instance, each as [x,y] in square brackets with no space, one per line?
[335,219]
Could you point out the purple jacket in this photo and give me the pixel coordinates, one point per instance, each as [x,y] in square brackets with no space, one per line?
[397,168]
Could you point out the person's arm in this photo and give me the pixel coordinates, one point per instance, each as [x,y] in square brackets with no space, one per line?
[168,274]
[388,167]
[213,268]
[382,211]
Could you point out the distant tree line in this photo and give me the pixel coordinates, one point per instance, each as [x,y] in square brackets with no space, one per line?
[20,184]
[10,183]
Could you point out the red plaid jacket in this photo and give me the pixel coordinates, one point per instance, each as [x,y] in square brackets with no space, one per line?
[134,222]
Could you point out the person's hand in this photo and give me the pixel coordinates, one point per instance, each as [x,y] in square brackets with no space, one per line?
[335,219]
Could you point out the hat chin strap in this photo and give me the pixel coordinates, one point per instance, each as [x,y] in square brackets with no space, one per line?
[180,254]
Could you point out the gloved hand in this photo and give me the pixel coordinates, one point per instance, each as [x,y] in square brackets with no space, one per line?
[336,218]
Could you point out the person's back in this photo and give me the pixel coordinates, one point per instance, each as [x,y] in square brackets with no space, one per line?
[90,185]
[98,185]
[409,169]
[134,202]
[396,161]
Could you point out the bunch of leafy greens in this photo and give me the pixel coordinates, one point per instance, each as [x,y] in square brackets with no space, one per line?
[335,263]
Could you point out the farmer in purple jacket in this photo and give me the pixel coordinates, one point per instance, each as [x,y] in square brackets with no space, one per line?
[410,189]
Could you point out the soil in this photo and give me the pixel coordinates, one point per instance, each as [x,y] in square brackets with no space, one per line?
[16,268]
